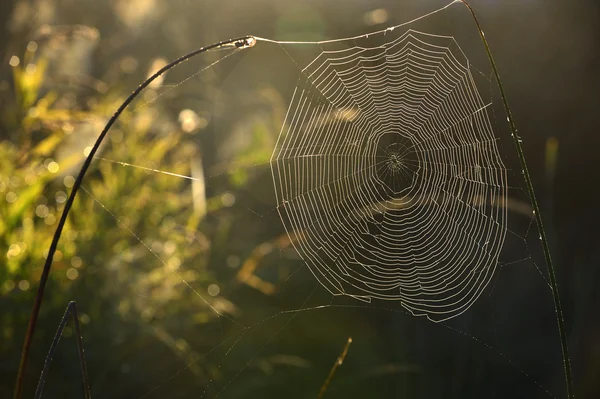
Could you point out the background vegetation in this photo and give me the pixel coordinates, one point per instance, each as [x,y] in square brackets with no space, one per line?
[134,236]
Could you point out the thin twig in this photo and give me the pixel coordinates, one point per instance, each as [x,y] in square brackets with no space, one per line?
[337,364]
[239,43]
[71,309]
[536,210]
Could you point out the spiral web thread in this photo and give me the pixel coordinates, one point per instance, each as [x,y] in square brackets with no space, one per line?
[388,176]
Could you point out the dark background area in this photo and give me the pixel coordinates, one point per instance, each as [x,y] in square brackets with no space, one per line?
[547,52]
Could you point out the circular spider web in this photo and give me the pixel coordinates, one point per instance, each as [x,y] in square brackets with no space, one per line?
[388,176]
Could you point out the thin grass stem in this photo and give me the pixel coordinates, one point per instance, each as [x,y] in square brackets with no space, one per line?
[339,361]
[71,310]
[537,214]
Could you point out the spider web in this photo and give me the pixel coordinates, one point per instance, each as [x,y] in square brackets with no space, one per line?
[388,175]
[386,193]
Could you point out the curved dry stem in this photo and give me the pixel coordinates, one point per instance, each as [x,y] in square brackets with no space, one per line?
[238,43]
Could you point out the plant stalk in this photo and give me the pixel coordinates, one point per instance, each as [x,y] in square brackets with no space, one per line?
[71,310]
[238,43]
[536,210]
[338,362]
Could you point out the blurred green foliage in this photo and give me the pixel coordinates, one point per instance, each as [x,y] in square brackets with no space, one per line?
[111,258]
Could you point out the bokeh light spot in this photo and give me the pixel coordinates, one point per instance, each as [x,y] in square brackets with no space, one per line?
[24,285]
[213,290]
[72,273]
